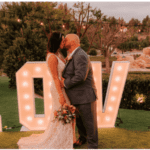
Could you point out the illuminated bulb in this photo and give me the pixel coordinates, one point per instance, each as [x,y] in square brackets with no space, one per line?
[18,20]
[63,26]
[107,118]
[119,68]
[50,83]
[84,27]
[26,96]
[41,23]
[50,95]
[93,68]
[29,118]
[117,78]
[115,88]
[50,106]
[25,84]
[113,98]
[40,121]
[25,73]
[38,69]
[110,108]
[98,118]
[27,107]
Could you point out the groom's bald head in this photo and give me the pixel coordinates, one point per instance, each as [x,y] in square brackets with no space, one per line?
[73,38]
[72,41]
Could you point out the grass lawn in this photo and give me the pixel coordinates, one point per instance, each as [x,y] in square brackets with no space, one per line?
[133,133]
[109,138]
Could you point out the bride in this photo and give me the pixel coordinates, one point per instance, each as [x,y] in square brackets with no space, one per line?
[56,135]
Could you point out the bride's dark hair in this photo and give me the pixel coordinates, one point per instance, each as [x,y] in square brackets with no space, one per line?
[54,42]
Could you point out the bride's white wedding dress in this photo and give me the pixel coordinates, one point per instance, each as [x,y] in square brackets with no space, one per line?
[56,135]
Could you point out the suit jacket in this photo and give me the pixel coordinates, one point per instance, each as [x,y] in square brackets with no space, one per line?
[79,80]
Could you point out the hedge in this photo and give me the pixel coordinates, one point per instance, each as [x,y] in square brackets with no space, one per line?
[136,83]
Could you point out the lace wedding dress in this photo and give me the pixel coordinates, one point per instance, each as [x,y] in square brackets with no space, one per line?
[56,135]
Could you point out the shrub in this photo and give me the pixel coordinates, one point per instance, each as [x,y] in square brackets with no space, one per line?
[23,50]
[136,83]
[93,52]
[133,43]
[134,38]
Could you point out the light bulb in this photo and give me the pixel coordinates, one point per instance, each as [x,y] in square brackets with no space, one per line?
[25,84]
[50,106]
[50,83]
[107,118]
[26,96]
[50,95]
[110,108]
[115,88]
[25,73]
[117,79]
[38,69]
[40,121]
[113,98]
[27,107]
[119,68]
[29,118]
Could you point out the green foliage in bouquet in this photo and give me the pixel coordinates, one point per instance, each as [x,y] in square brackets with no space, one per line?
[66,114]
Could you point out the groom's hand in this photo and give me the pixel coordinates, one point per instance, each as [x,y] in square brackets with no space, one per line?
[62,82]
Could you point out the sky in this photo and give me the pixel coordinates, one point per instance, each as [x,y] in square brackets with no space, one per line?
[126,9]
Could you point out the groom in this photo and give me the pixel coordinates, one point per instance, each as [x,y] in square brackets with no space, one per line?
[78,80]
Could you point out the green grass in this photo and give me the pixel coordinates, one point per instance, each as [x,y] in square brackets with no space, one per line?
[9,105]
[133,133]
[109,138]
[134,119]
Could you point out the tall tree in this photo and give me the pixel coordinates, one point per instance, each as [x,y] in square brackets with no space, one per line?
[108,38]
[146,24]
[28,33]
[84,17]
[133,26]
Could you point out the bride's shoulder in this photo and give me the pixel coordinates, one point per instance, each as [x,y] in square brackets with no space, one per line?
[51,57]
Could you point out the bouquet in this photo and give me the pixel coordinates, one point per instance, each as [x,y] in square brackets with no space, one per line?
[66,113]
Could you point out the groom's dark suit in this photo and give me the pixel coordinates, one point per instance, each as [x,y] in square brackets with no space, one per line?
[81,90]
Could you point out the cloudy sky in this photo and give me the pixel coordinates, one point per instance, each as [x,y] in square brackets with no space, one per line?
[126,9]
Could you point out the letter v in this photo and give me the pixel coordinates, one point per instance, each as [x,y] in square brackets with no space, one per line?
[106,116]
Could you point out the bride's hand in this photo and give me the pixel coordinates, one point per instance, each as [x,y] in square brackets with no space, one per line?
[62,100]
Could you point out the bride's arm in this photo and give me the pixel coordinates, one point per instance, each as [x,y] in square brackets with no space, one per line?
[53,66]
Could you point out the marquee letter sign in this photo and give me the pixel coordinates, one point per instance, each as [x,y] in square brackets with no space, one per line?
[26,102]
[106,116]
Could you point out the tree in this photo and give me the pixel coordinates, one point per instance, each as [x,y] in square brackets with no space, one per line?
[133,26]
[28,34]
[108,38]
[146,24]
[84,17]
